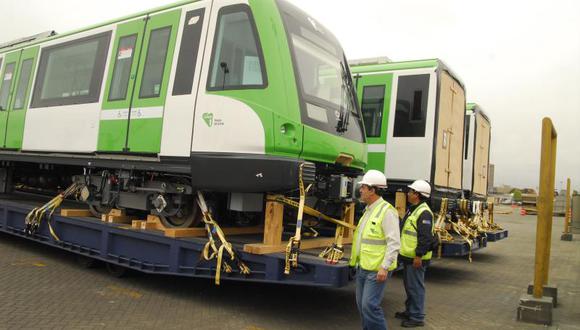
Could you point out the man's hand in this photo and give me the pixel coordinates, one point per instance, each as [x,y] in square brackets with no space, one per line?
[381,275]
[417,263]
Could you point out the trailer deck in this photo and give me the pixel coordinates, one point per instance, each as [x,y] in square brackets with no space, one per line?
[149,251]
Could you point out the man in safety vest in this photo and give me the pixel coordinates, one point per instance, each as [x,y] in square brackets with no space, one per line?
[416,241]
[375,247]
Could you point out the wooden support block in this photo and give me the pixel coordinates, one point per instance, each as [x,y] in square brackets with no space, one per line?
[200,232]
[306,244]
[146,225]
[75,213]
[273,223]
[185,232]
[117,212]
[401,203]
[120,219]
[349,218]
[153,218]
[136,224]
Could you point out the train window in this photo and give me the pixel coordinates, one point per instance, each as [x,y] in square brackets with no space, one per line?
[155,63]
[237,61]
[188,52]
[373,101]
[122,70]
[24,80]
[72,72]
[5,86]
[411,108]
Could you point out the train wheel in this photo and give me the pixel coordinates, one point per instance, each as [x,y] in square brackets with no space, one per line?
[98,210]
[116,270]
[189,216]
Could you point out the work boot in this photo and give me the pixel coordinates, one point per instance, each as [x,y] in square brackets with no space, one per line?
[402,315]
[412,324]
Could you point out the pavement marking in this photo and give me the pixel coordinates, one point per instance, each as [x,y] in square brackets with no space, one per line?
[29,263]
[124,292]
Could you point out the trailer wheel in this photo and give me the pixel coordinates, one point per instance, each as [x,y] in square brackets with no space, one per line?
[116,270]
[86,262]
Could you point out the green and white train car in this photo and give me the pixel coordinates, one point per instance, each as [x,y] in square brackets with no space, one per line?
[225,96]
[477,150]
[414,116]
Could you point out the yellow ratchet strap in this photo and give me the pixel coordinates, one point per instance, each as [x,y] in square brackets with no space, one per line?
[34,218]
[213,229]
[310,211]
[293,247]
[335,252]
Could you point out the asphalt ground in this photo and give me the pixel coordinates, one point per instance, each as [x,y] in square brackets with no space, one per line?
[45,288]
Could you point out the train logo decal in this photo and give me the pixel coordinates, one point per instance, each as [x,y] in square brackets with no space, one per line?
[208,118]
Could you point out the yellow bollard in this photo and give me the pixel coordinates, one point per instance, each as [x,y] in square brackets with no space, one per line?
[545,206]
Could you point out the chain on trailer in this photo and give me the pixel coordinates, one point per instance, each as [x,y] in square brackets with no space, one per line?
[34,218]
[333,253]
[213,230]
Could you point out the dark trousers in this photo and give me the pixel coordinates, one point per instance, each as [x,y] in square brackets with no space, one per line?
[414,281]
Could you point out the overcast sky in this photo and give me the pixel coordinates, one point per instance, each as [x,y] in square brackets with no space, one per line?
[520,60]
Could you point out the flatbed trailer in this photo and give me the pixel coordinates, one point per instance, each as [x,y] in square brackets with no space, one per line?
[497,235]
[149,251]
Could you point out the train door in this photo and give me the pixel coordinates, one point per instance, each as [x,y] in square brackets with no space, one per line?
[7,84]
[374,93]
[132,113]
[18,105]
[481,155]
[450,121]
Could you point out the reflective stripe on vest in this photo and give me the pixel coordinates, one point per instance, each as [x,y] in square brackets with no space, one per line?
[409,233]
[373,240]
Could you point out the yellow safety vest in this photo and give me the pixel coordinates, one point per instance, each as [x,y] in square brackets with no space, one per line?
[373,241]
[409,233]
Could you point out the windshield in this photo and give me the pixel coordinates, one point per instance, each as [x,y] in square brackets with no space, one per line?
[328,99]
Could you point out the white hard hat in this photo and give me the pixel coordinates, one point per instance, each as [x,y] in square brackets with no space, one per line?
[422,187]
[374,178]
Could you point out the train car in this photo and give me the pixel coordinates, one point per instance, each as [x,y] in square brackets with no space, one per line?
[414,116]
[476,153]
[236,98]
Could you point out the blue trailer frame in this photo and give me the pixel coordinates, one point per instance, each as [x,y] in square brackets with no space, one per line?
[497,235]
[152,252]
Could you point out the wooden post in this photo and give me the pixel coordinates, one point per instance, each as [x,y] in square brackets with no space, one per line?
[348,216]
[567,213]
[550,207]
[273,225]
[401,203]
[545,206]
